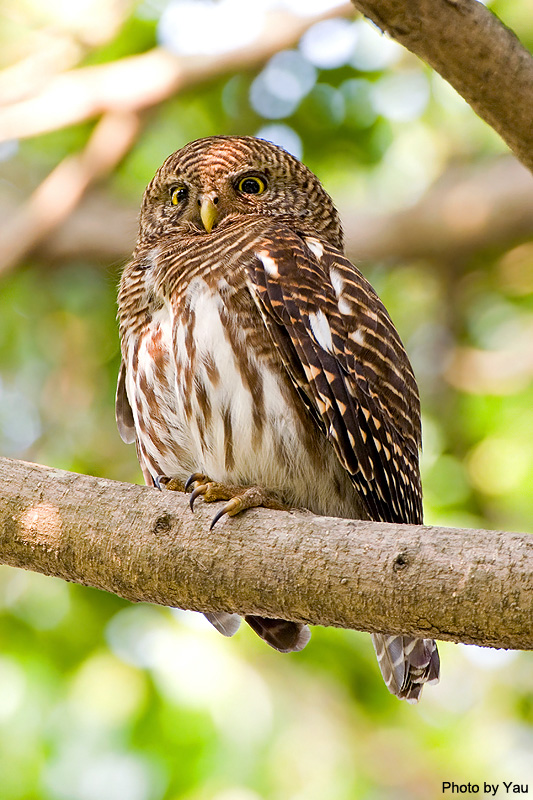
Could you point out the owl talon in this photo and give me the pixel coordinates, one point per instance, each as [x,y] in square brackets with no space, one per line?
[202,489]
[173,484]
[170,484]
[217,517]
[196,477]
[244,498]
[160,482]
[235,506]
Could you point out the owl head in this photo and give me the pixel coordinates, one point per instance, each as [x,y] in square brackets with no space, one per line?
[212,181]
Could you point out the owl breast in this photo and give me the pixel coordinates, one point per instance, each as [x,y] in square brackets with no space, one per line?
[208,395]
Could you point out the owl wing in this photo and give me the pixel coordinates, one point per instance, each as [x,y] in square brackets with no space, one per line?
[123,412]
[126,422]
[342,352]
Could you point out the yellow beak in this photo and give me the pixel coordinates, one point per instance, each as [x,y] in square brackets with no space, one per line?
[208,212]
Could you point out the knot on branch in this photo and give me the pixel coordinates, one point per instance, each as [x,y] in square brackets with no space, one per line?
[162,525]
[400,562]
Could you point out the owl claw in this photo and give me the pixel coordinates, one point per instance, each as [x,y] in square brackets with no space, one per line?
[217,517]
[196,477]
[202,489]
[238,497]
[251,497]
[170,484]
[248,499]
[160,482]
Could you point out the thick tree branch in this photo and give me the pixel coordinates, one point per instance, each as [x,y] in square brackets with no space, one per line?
[463,585]
[469,46]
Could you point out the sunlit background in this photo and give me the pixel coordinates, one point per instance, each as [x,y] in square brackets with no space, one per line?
[102,700]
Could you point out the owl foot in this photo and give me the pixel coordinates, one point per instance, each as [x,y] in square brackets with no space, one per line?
[239,497]
[172,484]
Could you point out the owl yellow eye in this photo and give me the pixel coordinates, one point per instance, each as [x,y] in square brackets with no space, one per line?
[251,185]
[178,194]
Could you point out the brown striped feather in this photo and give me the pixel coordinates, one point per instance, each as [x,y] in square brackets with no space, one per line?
[260,352]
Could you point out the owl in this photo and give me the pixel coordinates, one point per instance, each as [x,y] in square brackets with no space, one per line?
[260,368]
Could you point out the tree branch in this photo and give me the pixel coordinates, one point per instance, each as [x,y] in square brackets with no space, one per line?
[118,91]
[467,210]
[59,194]
[463,585]
[469,46]
[138,82]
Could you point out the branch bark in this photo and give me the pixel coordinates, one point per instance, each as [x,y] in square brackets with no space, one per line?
[469,46]
[472,586]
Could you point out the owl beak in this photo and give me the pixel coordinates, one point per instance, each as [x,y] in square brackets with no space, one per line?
[208,210]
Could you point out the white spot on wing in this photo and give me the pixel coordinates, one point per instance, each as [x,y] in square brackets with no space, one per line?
[357,336]
[321,330]
[270,265]
[315,247]
[336,281]
[345,307]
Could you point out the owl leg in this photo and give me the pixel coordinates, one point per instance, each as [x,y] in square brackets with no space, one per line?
[239,497]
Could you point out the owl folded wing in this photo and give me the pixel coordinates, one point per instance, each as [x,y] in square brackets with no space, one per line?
[343,354]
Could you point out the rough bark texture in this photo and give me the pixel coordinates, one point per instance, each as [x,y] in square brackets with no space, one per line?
[462,585]
[469,46]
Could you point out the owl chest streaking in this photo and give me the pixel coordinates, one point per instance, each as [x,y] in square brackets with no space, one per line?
[210,392]
[257,358]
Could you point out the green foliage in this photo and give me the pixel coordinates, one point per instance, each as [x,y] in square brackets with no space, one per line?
[101,700]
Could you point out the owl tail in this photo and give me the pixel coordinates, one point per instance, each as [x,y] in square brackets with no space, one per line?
[407,664]
[226,624]
[286,637]
[278,633]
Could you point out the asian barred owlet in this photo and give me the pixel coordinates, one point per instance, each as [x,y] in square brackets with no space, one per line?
[258,362]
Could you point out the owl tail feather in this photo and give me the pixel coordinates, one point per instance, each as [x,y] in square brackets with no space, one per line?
[286,637]
[283,636]
[226,624]
[407,664]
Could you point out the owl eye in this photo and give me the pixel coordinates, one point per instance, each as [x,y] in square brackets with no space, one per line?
[178,194]
[251,185]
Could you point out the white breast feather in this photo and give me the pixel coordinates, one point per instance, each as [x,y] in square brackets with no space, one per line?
[282,429]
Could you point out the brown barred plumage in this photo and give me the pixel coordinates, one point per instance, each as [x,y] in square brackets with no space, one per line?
[256,354]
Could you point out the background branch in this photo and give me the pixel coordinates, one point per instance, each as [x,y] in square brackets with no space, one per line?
[469,46]
[467,210]
[118,92]
[59,194]
[141,81]
[463,585]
